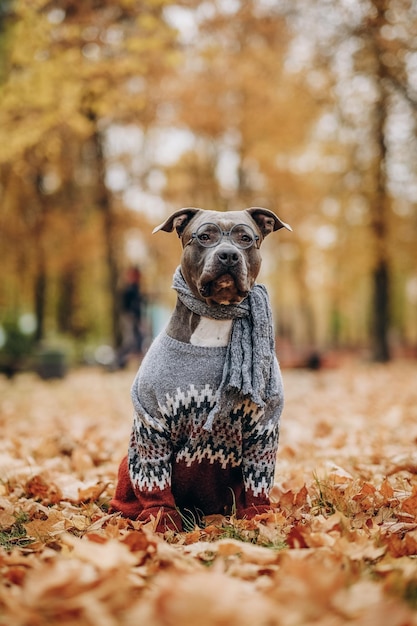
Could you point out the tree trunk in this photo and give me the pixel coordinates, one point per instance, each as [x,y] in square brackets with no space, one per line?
[41,275]
[381,350]
[110,236]
[40,297]
[380,208]
[380,273]
[66,305]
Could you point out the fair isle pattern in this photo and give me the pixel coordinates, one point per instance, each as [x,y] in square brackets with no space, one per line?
[183,400]
[147,468]
[247,438]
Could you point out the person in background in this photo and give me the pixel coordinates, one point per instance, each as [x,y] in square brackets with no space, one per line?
[131,308]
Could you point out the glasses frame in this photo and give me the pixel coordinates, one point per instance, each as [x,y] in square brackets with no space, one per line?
[225,233]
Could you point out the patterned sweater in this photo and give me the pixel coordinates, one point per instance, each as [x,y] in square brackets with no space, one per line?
[173,463]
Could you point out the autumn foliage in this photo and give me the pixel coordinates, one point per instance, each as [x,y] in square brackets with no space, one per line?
[113,114]
[338,547]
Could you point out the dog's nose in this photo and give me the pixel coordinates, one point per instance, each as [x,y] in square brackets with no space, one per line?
[228,257]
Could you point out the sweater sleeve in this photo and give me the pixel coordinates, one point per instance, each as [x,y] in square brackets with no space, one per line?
[150,463]
[260,443]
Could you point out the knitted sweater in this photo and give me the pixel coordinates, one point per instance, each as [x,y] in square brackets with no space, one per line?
[173,462]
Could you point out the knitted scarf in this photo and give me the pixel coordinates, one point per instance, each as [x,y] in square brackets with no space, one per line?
[249,368]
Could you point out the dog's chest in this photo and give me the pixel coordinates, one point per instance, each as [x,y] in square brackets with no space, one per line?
[211,333]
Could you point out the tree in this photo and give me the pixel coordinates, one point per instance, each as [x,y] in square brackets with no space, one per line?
[304,107]
[360,52]
[83,67]
[379,207]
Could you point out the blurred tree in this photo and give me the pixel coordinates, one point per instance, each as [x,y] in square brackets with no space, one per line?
[306,107]
[234,95]
[294,108]
[379,205]
[245,110]
[382,37]
[83,66]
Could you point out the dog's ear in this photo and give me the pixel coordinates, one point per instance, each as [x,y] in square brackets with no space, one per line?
[178,220]
[266,220]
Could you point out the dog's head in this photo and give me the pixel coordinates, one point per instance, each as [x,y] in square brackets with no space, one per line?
[221,257]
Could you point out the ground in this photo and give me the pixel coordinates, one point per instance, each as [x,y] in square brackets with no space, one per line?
[339,547]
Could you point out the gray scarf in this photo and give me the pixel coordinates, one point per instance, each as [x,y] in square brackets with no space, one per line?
[249,368]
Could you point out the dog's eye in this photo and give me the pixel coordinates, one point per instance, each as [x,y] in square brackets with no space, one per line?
[208,235]
[242,236]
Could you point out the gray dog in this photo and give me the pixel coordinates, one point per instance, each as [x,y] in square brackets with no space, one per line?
[208,395]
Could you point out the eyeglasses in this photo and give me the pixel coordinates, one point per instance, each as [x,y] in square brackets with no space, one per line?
[210,235]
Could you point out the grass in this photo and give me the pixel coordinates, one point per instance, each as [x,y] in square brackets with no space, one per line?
[331,497]
[237,530]
[15,535]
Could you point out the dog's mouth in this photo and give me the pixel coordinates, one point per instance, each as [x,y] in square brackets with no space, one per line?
[222,290]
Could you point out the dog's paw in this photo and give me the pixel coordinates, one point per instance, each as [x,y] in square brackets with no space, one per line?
[163,519]
[169,520]
[252,511]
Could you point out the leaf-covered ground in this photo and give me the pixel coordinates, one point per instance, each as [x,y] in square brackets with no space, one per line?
[339,548]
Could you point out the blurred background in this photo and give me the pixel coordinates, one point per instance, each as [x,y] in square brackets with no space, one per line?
[115,113]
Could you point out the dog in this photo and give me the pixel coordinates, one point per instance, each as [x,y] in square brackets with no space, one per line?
[208,395]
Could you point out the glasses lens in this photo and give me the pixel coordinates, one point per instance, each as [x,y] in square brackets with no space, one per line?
[242,236]
[208,235]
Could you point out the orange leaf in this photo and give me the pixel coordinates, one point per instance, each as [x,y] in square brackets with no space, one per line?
[295,538]
[386,490]
[38,488]
[366,490]
[137,541]
[95,538]
[301,497]
[409,505]
[406,546]
[91,493]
